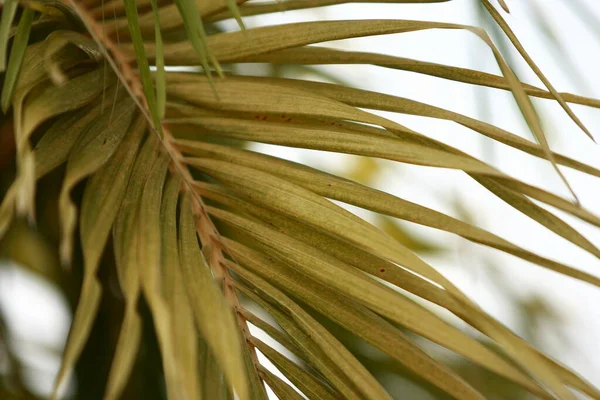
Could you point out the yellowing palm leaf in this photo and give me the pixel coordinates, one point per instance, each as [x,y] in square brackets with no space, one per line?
[205,233]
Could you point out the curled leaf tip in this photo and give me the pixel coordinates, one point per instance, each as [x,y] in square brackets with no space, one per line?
[57,77]
[65,255]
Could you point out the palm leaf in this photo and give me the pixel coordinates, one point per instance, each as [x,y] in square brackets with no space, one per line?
[204,232]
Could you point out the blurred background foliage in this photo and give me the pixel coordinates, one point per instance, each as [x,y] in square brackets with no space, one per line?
[29,257]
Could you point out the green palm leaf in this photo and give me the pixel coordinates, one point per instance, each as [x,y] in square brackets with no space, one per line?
[206,235]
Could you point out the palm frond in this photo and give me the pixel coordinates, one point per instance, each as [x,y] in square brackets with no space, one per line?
[204,232]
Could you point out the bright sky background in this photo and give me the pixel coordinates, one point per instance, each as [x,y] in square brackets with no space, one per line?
[36,312]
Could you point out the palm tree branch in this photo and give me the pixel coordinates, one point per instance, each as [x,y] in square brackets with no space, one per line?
[208,234]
